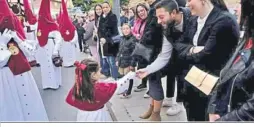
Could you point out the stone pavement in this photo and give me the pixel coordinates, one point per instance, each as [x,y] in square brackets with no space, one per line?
[127,110]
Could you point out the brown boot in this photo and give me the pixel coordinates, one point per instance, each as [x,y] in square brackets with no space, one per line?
[155,116]
[148,113]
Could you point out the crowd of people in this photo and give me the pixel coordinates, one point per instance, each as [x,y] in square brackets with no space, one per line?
[180,34]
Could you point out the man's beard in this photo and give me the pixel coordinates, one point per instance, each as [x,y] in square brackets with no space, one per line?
[169,24]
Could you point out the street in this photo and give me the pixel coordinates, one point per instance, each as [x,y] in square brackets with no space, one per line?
[126,110]
[54,100]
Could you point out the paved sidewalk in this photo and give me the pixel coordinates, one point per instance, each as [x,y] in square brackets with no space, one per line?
[127,110]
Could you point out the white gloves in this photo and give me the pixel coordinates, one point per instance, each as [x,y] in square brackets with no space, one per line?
[6,36]
[16,37]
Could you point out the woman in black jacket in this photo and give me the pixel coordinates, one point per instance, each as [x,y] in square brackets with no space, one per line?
[213,36]
[108,49]
[233,97]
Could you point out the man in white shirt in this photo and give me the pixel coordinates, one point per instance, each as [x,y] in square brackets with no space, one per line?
[170,16]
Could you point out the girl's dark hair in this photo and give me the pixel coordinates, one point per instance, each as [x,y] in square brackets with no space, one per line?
[96,15]
[141,5]
[86,90]
[220,4]
[169,5]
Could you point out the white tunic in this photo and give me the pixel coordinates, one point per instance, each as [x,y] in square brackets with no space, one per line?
[20,99]
[68,51]
[51,75]
[32,36]
[100,115]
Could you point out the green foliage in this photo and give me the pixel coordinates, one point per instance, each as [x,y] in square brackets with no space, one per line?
[87,6]
[123,2]
[79,3]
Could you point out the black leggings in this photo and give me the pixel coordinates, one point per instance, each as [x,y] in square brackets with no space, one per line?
[80,42]
[144,80]
[130,87]
[170,91]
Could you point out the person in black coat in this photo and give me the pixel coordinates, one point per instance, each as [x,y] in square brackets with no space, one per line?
[175,27]
[233,97]
[213,36]
[108,29]
[175,67]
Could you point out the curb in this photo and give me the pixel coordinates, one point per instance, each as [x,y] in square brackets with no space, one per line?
[109,107]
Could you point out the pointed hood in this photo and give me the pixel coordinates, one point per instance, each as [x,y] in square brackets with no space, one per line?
[67,29]
[46,24]
[17,62]
[58,18]
[31,18]
[8,20]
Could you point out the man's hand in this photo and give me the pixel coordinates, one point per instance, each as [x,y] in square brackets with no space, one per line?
[16,37]
[213,117]
[142,73]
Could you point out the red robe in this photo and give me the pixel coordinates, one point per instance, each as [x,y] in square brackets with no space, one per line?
[17,63]
[102,94]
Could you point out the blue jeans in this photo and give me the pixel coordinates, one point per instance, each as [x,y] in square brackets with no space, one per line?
[109,68]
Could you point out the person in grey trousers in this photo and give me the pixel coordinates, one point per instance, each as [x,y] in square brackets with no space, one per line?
[88,36]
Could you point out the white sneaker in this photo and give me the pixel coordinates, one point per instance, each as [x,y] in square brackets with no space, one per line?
[146,96]
[175,109]
[168,102]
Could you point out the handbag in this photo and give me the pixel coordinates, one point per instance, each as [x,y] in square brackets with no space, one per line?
[57,61]
[95,38]
[116,39]
[203,81]
[141,50]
